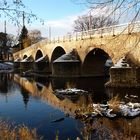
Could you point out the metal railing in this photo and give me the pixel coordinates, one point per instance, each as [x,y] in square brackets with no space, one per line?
[126,28]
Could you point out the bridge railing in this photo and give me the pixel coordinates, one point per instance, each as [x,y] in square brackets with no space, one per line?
[126,28]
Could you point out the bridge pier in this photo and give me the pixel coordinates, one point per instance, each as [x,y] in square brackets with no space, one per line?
[68,65]
[66,69]
[17,64]
[26,64]
[123,75]
[41,65]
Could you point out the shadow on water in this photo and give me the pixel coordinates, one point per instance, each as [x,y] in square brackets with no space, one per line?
[94,86]
[36,91]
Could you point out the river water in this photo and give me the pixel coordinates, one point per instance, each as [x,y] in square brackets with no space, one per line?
[33,101]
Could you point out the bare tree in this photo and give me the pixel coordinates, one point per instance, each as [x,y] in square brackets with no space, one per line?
[85,22]
[6,41]
[34,36]
[11,40]
[15,11]
[120,10]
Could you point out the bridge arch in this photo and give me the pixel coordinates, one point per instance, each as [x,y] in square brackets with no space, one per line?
[57,52]
[38,54]
[25,56]
[94,63]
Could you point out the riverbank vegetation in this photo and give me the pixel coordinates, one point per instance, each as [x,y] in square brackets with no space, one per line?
[21,132]
[113,108]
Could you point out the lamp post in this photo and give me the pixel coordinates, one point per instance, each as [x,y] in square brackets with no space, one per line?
[90,21]
[49,32]
[23,18]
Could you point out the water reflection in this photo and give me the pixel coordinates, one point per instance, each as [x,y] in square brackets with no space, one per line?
[45,93]
[6,85]
[3,83]
[42,89]
[25,96]
[95,87]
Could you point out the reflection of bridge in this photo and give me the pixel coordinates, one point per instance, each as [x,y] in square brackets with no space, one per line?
[46,94]
[127,128]
[89,51]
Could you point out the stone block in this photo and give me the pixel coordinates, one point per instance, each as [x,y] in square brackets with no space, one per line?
[123,77]
[66,69]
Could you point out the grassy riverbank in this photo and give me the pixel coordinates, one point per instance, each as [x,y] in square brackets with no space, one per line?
[7,132]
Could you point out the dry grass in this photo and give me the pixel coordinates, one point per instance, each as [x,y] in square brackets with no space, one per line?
[70,85]
[96,109]
[17,133]
[114,103]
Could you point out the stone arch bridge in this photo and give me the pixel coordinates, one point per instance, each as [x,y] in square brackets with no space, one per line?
[84,53]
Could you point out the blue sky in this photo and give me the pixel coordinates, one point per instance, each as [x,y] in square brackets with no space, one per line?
[54,9]
[57,14]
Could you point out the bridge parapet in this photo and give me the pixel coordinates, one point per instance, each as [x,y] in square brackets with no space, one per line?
[126,28]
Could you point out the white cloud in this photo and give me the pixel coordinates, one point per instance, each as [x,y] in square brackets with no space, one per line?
[101,10]
[61,27]
[58,27]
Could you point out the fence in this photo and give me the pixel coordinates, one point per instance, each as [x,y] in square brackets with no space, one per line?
[126,28]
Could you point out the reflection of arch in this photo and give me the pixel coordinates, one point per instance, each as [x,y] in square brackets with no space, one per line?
[94,63]
[10,56]
[39,86]
[38,55]
[57,52]
[25,56]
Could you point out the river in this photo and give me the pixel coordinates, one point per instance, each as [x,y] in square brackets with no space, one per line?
[33,101]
